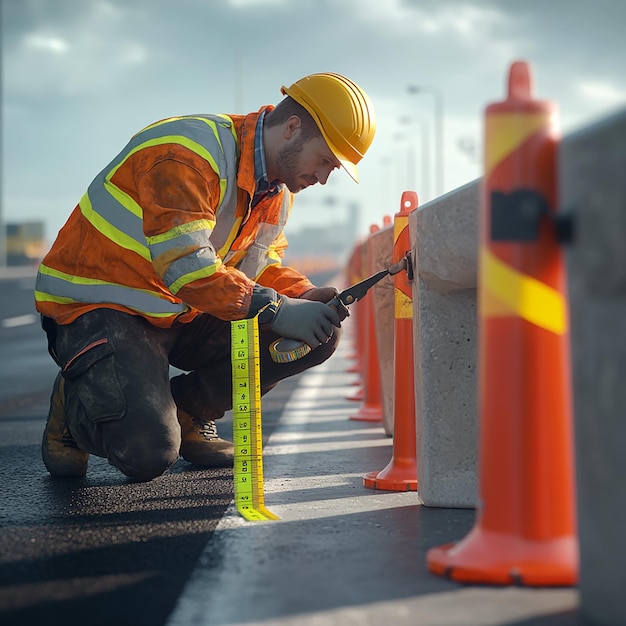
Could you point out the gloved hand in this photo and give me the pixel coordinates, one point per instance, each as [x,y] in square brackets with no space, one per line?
[326,294]
[320,294]
[308,321]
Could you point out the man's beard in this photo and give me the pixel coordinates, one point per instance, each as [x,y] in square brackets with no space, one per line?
[287,164]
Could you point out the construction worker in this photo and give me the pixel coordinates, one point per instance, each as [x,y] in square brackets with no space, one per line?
[178,235]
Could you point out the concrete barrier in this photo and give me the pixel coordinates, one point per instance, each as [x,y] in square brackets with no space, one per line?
[444,242]
[593,185]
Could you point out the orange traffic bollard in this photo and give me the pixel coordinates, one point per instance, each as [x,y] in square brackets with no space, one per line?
[371,410]
[401,472]
[353,275]
[357,273]
[360,311]
[525,530]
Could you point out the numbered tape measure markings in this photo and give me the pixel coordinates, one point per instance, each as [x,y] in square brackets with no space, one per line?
[247,426]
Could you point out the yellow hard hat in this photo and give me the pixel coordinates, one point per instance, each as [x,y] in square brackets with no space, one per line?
[342,111]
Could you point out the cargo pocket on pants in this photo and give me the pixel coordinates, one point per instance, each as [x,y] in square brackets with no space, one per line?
[92,381]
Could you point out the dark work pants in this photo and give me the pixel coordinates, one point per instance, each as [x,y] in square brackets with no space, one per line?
[119,400]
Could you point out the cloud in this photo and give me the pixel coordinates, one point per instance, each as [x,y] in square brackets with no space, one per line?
[52,59]
[46,43]
[605,92]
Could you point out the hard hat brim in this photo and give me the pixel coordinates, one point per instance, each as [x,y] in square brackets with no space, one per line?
[348,166]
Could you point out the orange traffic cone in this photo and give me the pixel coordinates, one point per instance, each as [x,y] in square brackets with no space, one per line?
[525,530]
[401,472]
[371,410]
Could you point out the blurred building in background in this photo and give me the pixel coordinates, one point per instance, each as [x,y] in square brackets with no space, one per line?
[25,243]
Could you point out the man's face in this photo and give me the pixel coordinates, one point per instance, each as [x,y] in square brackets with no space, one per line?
[304,163]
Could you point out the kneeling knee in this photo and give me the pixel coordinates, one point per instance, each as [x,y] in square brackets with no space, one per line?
[144,463]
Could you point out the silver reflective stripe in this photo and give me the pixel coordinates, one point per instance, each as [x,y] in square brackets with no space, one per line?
[225,214]
[113,211]
[199,128]
[54,288]
[195,239]
[200,263]
[187,252]
[257,257]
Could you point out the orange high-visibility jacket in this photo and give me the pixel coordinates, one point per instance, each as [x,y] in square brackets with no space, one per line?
[166,230]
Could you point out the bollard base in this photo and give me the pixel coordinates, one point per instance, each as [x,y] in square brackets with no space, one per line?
[392,481]
[485,557]
[357,397]
[368,413]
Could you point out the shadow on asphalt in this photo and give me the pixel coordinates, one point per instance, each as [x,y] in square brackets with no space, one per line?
[103,549]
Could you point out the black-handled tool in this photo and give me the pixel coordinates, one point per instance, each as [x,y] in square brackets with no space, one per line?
[285,350]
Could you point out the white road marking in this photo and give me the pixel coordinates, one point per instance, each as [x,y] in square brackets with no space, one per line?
[20,320]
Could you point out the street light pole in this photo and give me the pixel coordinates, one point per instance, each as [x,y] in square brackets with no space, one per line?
[3,237]
[425,188]
[417,138]
[438,110]
[406,121]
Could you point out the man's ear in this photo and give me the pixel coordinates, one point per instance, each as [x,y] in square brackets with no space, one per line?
[292,126]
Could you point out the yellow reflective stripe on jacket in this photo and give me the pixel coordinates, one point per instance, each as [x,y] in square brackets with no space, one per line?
[56,286]
[232,231]
[189,277]
[123,198]
[170,250]
[273,258]
[120,237]
[182,230]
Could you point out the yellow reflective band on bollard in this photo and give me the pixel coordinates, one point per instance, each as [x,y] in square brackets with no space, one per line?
[247,425]
[508,291]
[506,132]
[403,305]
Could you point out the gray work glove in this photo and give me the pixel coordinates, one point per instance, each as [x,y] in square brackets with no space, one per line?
[308,321]
[329,295]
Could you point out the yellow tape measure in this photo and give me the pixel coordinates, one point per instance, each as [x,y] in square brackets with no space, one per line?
[247,427]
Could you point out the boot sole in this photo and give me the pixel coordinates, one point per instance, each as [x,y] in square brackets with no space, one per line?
[207,459]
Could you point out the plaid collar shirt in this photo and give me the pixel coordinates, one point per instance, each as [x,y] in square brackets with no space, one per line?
[264,187]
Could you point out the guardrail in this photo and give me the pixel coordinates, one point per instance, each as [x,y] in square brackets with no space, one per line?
[449,414]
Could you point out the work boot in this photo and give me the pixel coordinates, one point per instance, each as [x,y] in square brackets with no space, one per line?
[61,455]
[201,444]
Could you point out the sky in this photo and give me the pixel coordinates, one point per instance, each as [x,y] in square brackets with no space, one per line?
[80,77]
